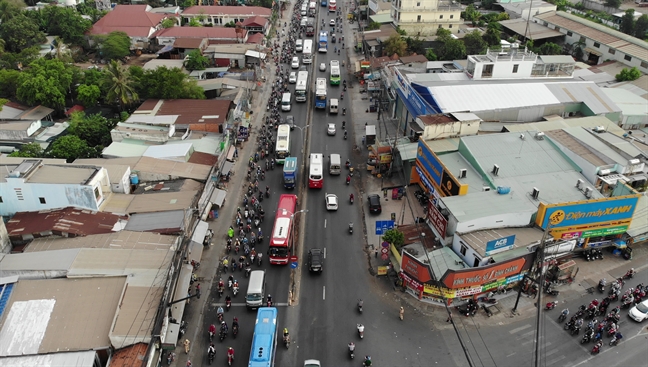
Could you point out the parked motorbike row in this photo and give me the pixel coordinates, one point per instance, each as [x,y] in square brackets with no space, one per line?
[593,254]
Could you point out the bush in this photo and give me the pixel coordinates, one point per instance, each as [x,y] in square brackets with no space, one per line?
[628,75]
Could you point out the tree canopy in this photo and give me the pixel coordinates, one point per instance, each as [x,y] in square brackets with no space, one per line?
[45,82]
[450,48]
[20,32]
[475,44]
[628,75]
[627,25]
[395,44]
[119,85]
[196,61]
[114,46]
[30,150]
[8,82]
[93,129]
[641,27]
[88,94]
[61,21]
[165,83]
[71,147]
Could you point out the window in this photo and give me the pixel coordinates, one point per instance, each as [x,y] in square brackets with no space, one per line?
[451,16]
[463,249]
[450,26]
[597,45]
[582,39]
[440,26]
[643,65]
[42,200]
[611,51]
[569,33]
[515,68]
[1,200]
[477,261]
[418,4]
[627,58]
[487,71]
[97,193]
[418,18]
[441,16]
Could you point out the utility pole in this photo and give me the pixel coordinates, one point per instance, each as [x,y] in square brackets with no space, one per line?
[540,278]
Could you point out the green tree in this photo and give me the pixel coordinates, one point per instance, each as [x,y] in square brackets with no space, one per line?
[443,34]
[626,75]
[430,55]
[168,23]
[613,3]
[549,48]
[373,26]
[10,8]
[488,4]
[492,36]
[196,61]
[60,50]
[627,25]
[67,23]
[45,82]
[395,44]
[471,14]
[475,44]
[29,150]
[11,60]
[414,45]
[3,102]
[93,129]
[20,32]
[641,27]
[194,22]
[92,77]
[395,237]
[401,31]
[89,8]
[120,88]
[165,83]
[8,82]
[71,147]
[88,94]
[452,49]
[116,46]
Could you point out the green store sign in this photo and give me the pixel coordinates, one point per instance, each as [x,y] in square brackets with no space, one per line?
[604,232]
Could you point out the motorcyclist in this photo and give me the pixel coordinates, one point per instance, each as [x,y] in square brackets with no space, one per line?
[230,353]
[351,347]
[351,197]
[565,312]
[224,327]
[348,178]
[344,126]
[211,351]
[212,330]
[269,301]
[220,310]
[228,300]
[286,335]
[230,232]
[367,361]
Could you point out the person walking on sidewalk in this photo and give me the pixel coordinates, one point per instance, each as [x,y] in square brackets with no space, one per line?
[401,313]
[187,345]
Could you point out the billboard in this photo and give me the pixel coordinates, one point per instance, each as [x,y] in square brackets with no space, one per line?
[449,185]
[416,269]
[499,244]
[429,162]
[437,219]
[583,213]
[486,274]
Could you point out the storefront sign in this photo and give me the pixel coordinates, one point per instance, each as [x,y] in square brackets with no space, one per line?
[500,244]
[598,244]
[428,185]
[605,231]
[570,235]
[586,212]
[467,292]
[466,278]
[449,184]
[437,220]
[515,278]
[411,283]
[429,162]
[415,268]
[382,270]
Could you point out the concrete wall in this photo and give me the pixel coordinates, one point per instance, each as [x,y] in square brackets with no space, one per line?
[5,243]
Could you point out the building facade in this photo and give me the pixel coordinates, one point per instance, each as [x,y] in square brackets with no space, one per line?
[417,17]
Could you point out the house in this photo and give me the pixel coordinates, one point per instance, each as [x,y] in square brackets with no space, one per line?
[256,24]
[422,18]
[599,43]
[221,15]
[137,21]
[525,9]
[214,35]
[32,186]
[19,127]
[192,114]
[373,40]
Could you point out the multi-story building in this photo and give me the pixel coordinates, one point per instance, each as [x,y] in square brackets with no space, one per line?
[221,15]
[417,17]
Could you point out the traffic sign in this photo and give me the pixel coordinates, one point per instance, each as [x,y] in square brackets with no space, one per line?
[384,250]
[293,265]
[385,244]
[294,261]
[383,226]
[384,256]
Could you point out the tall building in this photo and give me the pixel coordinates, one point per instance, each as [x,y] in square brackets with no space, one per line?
[418,17]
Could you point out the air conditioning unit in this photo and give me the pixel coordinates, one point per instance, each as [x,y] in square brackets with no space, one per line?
[599,129]
[535,193]
[633,162]
[579,184]
[588,192]
[604,172]
[462,173]
[495,170]
[522,136]
[486,188]
[540,135]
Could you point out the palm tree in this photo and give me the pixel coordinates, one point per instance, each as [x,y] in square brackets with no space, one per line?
[60,50]
[119,85]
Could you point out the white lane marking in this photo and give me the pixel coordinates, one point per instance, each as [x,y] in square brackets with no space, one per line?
[325,252]
[324,292]
[324,223]
[520,329]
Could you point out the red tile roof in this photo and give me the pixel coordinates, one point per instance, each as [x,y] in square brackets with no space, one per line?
[187,42]
[73,109]
[256,38]
[197,32]
[132,356]
[203,158]
[228,10]
[134,20]
[67,222]
[255,21]
[192,111]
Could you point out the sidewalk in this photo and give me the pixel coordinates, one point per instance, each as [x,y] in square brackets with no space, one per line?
[207,273]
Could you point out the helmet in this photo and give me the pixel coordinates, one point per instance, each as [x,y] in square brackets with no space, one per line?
[285,330]
[223,322]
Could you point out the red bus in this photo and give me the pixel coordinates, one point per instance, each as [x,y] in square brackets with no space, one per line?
[332,5]
[316,171]
[281,242]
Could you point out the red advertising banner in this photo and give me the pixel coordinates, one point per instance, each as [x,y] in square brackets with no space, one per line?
[436,219]
[414,268]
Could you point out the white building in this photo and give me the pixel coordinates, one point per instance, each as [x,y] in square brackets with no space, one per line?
[417,17]
[221,15]
[33,186]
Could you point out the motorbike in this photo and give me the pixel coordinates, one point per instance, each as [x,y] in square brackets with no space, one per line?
[562,317]
[221,335]
[587,336]
[235,330]
[267,193]
[286,340]
[360,328]
[210,357]
[597,347]
[348,180]
[351,199]
[575,330]
[601,286]
[551,305]
[551,292]
[230,359]
[345,135]
[352,351]
[614,340]
[351,228]
[360,302]
[629,274]
[235,290]
[488,300]
[228,304]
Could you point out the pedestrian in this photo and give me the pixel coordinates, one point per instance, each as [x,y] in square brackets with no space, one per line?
[376,253]
[401,313]
[449,319]
[187,345]
[235,152]
[363,140]
[189,363]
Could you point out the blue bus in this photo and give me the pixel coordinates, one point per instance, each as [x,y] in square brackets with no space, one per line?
[290,172]
[264,340]
[320,93]
[323,41]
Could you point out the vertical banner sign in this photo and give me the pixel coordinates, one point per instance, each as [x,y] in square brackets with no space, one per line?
[437,220]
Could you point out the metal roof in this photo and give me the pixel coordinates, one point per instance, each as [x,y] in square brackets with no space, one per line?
[408,151]
[124,149]
[590,139]
[172,168]
[162,201]
[61,174]
[577,147]
[629,103]
[632,148]
[70,359]
[56,315]
[161,222]
[443,145]
[163,151]
[561,123]
[67,222]
[50,261]
[476,205]
[556,59]
[586,92]
[117,203]
[123,240]
[454,162]
[533,31]
[523,237]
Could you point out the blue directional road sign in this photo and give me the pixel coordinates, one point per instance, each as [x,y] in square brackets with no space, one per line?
[383,225]
[293,265]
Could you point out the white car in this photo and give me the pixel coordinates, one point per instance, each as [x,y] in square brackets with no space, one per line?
[639,312]
[330,129]
[323,66]
[312,363]
[332,22]
[295,62]
[331,202]
[292,79]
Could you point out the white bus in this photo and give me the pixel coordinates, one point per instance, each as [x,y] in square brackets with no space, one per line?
[320,93]
[301,89]
[307,54]
[335,72]
[316,171]
[282,149]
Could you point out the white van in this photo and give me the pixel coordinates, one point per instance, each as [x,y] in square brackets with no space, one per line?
[285,102]
[299,45]
[303,22]
[335,164]
[256,289]
[333,105]
[304,9]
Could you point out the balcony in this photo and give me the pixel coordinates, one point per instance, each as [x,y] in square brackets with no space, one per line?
[430,21]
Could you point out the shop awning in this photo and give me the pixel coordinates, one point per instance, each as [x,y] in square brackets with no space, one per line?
[218,197]
[370,130]
[227,167]
[200,232]
[592,51]
[167,48]
[181,291]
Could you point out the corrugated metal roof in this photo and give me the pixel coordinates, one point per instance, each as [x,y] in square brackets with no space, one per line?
[117,203]
[136,315]
[67,222]
[533,31]
[591,139]
[227,10]
[56,315]
[132,356]
[408,151]
[162,201]
[597,32]
[59,260]
[172,168]
[582,150]
[523,237]
[123,240]
[560,123]
[71,359]
[124,149]
[587,92]
[630,103]
[632,148]
[488,97]
[172,151]
[160,222]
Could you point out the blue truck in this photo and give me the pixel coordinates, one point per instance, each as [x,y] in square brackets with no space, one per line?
[290,172]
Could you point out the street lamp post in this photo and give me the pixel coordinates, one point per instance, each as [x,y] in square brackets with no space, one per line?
[301,131]
[292,271]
